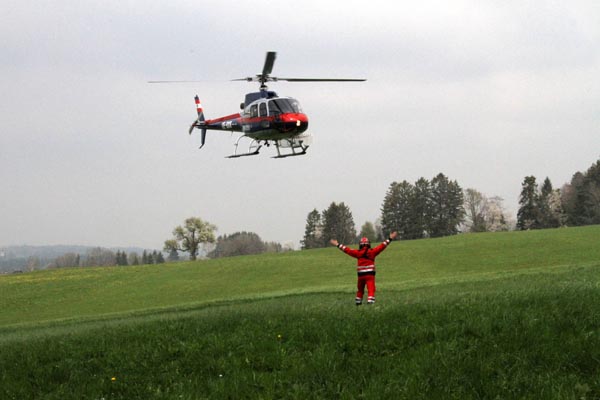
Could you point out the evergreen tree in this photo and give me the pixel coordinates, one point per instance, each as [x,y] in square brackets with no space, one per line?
[134,259]
[121,258]
[173,255]
[338,223]
[549,210]
[396,212]
[421,210]
[312,233]
[159,259]
[528,214]
[580,199]
[587,200]
[368,231]
[446,210]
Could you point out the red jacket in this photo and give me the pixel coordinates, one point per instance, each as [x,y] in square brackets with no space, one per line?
[365,264]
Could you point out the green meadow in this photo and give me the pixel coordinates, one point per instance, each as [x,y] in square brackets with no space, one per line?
[512,315]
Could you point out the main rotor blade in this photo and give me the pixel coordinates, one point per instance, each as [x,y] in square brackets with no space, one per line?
[175,81]
[317,80]
[269,61]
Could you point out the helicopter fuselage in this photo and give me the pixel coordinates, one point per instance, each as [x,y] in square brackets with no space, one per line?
[267,118]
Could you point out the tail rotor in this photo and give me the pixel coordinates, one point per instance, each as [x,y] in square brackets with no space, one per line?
[199,123]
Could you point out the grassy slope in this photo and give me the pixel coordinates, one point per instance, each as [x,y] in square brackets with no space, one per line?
[93,292]
[512,315]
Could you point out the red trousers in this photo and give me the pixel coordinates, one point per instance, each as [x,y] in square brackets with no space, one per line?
[369,281]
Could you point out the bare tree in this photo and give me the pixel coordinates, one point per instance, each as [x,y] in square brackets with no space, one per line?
[484,214]
[475,211]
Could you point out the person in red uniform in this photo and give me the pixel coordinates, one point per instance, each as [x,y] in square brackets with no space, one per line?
[365,265]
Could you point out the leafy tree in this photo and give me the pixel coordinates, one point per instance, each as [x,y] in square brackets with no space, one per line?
[338,223]
[67,260]
[496,219]
[312,233]
[99,257]
[238,244]
[188,237]
[528,214]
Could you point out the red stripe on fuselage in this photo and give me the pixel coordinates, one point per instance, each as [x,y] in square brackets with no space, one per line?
[227,118]
[287,117]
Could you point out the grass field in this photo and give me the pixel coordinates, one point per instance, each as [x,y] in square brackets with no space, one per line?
[503,315]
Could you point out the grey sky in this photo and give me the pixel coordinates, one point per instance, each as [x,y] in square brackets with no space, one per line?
[486,92]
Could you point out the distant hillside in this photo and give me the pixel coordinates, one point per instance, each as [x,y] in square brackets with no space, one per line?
[15,258]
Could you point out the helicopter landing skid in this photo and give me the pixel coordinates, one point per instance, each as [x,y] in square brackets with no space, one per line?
[293,145]
[253,149]
[245,154]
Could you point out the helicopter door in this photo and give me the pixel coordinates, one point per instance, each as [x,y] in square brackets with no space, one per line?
[262,112]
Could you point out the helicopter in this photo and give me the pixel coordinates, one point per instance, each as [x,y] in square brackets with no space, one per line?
[265,119]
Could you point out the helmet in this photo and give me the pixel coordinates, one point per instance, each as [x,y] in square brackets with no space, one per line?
[364,242]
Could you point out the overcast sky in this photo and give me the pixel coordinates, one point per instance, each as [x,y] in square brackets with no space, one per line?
[486,92]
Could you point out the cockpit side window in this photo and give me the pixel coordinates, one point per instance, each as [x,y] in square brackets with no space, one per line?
[254,111]
[262,109]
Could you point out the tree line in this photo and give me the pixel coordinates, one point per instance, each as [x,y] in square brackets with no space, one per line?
[440,207]
[95,257]
[196,234]
[577,203]
[427,208]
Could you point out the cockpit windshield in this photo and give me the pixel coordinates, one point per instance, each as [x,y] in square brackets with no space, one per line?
[281,106]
